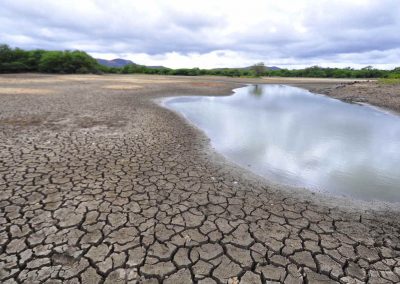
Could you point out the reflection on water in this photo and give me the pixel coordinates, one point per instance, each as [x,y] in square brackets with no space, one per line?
[292,136]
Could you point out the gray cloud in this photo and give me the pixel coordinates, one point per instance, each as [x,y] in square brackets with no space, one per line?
[293,33]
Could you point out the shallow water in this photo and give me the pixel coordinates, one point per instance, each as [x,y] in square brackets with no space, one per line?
[295,137]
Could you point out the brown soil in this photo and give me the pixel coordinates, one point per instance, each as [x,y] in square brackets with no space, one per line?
[382,95]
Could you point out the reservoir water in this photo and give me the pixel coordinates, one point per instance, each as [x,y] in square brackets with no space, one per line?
[292,136]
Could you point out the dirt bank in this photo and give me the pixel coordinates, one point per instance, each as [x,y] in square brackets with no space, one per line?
[386,96]
[98,184]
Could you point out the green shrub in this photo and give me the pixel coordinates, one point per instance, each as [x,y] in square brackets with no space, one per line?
[389,81]
[13,67]
[67,62]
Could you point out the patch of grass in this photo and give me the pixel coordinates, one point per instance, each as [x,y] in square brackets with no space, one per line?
[389,81]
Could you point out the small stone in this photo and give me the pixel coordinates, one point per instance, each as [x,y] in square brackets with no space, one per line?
[233,280]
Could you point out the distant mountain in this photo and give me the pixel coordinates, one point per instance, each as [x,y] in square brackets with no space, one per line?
[269,68]
[273,68]
[118,62]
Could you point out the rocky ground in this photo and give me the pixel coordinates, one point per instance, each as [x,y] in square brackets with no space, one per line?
[98,184]
[375,93]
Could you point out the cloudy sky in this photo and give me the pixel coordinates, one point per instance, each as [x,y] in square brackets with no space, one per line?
[215,33]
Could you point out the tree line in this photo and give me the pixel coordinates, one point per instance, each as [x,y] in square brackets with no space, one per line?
[16,60]
[320,72]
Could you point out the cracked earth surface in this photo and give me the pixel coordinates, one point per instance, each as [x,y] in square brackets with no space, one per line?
[101,185]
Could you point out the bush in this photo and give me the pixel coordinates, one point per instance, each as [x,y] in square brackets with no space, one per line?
[13,60]
[394,76]
[18,60]
[13,67]
[67,62]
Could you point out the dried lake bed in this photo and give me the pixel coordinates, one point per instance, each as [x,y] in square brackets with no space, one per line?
[99,184]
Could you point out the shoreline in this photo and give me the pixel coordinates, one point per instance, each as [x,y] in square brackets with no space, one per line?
[383,96]
[302,193]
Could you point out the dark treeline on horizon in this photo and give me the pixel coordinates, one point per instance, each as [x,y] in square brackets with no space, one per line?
[16,60]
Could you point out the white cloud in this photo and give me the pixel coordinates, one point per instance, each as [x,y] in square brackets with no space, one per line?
[213,59]
[209,34]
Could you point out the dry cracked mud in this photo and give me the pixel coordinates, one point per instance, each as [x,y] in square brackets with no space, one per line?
[102,185]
